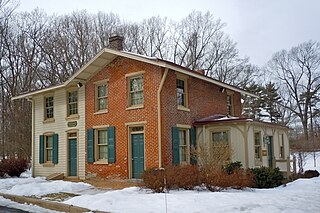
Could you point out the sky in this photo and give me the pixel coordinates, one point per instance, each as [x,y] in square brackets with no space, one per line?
[260,27]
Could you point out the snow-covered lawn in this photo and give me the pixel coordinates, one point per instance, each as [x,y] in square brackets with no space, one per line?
[302,195]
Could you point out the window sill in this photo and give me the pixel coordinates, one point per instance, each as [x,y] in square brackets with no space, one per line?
[101,162]
[48,164]
[72,117]
[49,120]
[183,108]
[101,112]
[135,107]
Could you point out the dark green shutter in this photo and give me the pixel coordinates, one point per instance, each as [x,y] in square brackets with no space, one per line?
[175,146]
[111,145]
[193,156]
[41,149]
[55,149]
[90,144]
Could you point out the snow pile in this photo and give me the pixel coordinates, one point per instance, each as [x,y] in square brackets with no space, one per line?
[38,186]
[310,162]
[292,198]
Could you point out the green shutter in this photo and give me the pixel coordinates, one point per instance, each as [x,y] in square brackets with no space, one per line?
[41,149]
[111,145]
[175,146]
[193,156]
[90,151]
[55,149]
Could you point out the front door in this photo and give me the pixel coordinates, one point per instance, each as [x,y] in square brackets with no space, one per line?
[270,151]
[72,157]
[137,144]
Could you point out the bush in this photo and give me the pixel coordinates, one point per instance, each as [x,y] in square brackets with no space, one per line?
[13,167]
[219,179]
[310,174]
[231,167]
[172,177]
[154,180]
[265,177]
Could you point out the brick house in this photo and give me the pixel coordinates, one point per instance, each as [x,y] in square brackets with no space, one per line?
[122,113]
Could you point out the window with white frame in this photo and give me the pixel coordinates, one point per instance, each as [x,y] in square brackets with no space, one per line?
[48,148]
[257,146]
[48,107]
[72,103]
[102,97]
[136,96]
[220,137]
[102,145]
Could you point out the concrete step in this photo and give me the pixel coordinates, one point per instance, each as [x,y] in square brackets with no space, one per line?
[55,176]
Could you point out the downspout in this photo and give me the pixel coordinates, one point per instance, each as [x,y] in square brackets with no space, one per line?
[32,136]
[159,115]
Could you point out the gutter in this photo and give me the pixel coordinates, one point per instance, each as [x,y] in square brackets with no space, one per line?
[159,115]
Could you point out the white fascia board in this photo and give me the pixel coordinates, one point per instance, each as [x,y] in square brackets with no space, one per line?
[30,94]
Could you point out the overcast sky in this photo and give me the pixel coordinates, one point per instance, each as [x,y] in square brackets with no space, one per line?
[260,27]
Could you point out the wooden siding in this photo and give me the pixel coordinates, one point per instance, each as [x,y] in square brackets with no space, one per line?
[60,127]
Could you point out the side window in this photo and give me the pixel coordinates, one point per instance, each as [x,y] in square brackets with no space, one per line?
[230,110]
[102,97]
[183,146]
[102,145]
[48,148]
[48,112]
[72,103]
[281,148]
[182,139]
[257,146]
[136,96]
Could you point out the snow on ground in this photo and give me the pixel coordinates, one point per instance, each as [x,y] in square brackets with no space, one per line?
[310,161]
[300,196]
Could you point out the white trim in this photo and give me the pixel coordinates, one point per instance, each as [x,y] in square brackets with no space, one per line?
[137,123]
[134,74]
[101,127]
[183,126]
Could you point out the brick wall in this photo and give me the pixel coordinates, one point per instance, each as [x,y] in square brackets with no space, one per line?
[204,99]
[117,114]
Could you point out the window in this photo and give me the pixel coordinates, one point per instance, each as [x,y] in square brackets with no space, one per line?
[220,137]
[257,146]
[183,146]
[48,148]
[48,107]
[181,92]
[281,153]
[72,103]
[102,97]
[183,138]
[230,104]
[102,145]
[136,90]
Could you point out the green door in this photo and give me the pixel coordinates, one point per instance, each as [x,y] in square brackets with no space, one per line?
[72,157]
[270,151]
[137,145]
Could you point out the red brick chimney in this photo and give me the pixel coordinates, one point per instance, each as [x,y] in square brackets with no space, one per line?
[116,42]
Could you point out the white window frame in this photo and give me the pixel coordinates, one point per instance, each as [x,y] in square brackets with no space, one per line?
[97,85]
[259,146]
[185,104]
[97,146]
[71,103]
[46,118]
[48,149]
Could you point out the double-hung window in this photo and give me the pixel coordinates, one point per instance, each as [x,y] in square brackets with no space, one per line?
[183,146]
[48,148]
[72,103]
[48,108]
[102,145]
[230,104]
[102,97]
[257,146]
[136,96]
[281,148]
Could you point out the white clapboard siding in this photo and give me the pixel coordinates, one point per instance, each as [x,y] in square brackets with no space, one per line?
[60,127]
